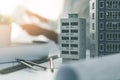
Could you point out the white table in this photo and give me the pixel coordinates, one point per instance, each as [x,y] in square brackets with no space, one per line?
[29,74]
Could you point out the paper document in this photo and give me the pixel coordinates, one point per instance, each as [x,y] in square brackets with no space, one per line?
[105,68]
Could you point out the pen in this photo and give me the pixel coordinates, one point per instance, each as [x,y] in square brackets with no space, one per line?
[51,65]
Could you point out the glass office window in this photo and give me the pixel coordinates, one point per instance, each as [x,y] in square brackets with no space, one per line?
[101,25]
[119,4]
[93,36]
[108,47]
[65,24]
[65,45]
[93,5]
[74,45]
[74,38]
[107,15]
[101,47]
[65,31]
[101,15]
[101,4]
[115,4]
[93,26]
[65,38]
[119,47]
[118,38]
[101,36]
[93,16]
[74,52]
[65,52]
[107,4]
[74,23]
[74,31]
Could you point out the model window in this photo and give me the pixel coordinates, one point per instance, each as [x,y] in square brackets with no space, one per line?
[93,5]
[110,26]
[107,26]
[65,31]
[107,47]
[114,36]
[119,4]
[65,45]
[74,38]
[65,24]
[93,16]
[114,49]
[93,26]
[108,36]
[73,15]
[101,25]
[111,4]
[110,14]
[114,26]
[118,14]
[107,15]
[114,4]
[74,31]
[119,36]
[101,15]
[101,4]
[65,38]
[101,47]
[118,26]
[115,15]
[74,45]
[108,4]
[119,47]
[101,36]
[74,52]
[65,52]
[111,36]
[74,23]
[93,36]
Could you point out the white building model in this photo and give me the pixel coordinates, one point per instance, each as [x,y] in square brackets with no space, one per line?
[73,37]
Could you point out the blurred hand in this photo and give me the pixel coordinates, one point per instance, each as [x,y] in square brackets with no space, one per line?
[32,29]
[35,30]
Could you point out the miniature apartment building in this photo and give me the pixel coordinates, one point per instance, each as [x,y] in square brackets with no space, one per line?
[73,37]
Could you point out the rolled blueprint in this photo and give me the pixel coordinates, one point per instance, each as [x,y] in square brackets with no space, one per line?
[105,68]
[25,51]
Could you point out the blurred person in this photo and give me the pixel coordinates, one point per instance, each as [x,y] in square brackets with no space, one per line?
[70,6]
[35,30]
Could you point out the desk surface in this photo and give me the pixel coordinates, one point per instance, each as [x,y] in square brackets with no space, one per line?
[28,74]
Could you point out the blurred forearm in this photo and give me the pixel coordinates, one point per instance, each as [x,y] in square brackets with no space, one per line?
[35,30]
[51,35]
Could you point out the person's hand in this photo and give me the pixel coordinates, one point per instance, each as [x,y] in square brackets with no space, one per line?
[32,29]
[35,30]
